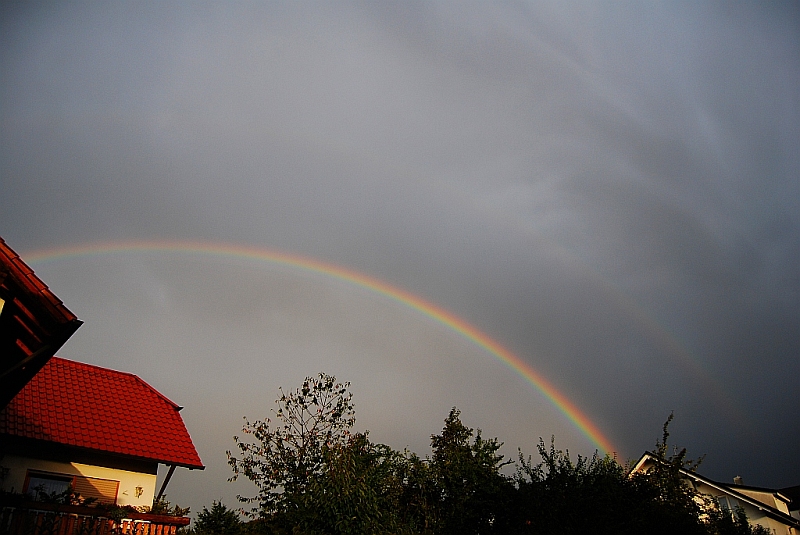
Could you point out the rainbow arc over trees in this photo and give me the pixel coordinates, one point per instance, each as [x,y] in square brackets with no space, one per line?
[439,314]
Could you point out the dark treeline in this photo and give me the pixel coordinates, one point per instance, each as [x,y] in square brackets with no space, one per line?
[314,475]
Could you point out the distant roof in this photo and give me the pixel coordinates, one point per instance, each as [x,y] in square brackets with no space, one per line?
[793,493]
[28,279]
[34,323]
[94,408]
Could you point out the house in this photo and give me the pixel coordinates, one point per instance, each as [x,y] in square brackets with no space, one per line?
[101,431]
[34,323]
[67,425]
[770,508]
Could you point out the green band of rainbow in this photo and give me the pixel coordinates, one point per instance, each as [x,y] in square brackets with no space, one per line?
[470,332]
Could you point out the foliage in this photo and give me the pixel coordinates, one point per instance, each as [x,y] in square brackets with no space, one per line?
[598,495]
[470,489]
[219,520]
[667,499]
[162,506]
[356,493]
[721,522]
[314,476]
[285,457]
[418,503]
[559,495]
[665,475]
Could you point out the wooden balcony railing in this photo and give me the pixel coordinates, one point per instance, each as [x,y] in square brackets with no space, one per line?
[38,518]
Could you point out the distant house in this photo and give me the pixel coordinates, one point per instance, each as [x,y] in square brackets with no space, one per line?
[34,323]
[770,508]
[101,431]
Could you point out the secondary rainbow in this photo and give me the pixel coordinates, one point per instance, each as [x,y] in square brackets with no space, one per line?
[450,320]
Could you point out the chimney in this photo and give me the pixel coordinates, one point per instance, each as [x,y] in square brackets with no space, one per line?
[737,480]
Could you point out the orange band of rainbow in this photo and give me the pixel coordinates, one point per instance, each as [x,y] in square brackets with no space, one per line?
[465,329]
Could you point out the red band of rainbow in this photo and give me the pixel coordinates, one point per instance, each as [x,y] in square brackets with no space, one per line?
[462,327]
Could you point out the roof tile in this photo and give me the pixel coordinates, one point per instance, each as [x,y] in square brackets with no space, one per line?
[87,406]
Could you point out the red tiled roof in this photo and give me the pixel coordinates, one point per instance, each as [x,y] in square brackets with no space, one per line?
[87,406]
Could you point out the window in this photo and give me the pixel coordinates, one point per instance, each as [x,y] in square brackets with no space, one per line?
[42,486]
[102,490]
[47,485]
[727,504]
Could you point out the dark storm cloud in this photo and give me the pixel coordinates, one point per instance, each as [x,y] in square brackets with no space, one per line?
[610,190]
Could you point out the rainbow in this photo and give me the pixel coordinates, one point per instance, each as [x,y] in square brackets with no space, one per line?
[448,319]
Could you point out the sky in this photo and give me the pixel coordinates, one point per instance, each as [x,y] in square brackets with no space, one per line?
[607,190]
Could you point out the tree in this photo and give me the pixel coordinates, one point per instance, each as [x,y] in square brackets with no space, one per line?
[356,493]
[284,457]
[313,475]
[419,501]
[562,496]
[598,495]
[721,522]
[218,521]
[471,491]
[669,503]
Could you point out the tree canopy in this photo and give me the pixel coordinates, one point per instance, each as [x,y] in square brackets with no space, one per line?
[219,520]
[315,475]
[286,456]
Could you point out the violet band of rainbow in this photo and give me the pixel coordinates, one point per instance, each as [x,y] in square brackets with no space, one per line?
[437,313]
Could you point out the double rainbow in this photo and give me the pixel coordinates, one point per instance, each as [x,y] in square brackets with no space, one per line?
[462,327]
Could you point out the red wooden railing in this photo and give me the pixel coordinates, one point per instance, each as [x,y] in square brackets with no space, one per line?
[37,518]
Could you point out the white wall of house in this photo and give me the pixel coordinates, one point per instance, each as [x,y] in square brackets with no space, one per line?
[135,488]
[765,497]
[754,515]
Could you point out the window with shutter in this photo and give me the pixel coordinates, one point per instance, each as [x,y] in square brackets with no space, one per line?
[103,490]
[46,485]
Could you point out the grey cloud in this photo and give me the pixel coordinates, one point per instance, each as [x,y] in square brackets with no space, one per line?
[610,190]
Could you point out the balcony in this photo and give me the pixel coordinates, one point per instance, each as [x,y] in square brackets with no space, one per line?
[25,517]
